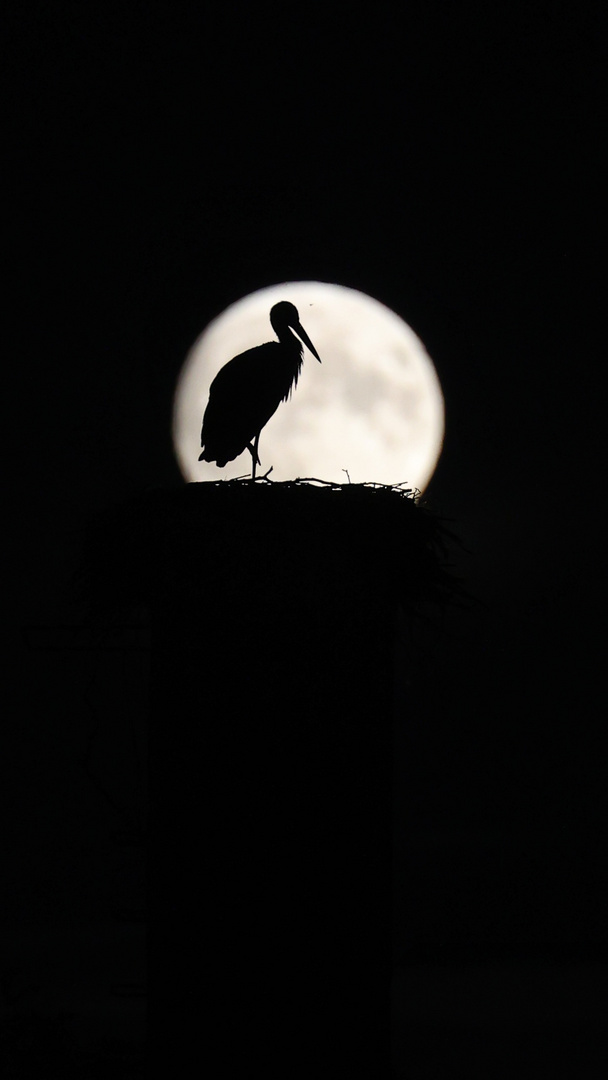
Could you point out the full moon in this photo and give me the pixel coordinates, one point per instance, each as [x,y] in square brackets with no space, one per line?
[371,411]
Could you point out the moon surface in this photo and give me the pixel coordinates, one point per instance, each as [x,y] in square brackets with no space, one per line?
[373,409]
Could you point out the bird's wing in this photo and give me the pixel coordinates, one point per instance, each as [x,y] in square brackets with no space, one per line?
[242,397]
[239,375]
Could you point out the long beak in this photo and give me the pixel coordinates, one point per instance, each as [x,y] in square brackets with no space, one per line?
[300,331]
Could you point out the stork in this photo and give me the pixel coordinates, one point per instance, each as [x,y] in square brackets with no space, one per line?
[248,390]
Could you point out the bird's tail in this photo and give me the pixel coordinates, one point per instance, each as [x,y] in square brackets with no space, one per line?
[207,456]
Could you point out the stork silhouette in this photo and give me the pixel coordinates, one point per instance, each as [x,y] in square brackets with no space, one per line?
[248,390]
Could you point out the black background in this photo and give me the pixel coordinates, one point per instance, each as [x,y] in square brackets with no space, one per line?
[446,163]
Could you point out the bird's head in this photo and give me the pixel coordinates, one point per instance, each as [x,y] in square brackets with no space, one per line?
[285,314]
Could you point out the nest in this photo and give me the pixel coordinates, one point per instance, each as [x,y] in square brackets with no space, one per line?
[235,538]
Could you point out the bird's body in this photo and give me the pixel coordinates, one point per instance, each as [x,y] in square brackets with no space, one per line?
[244,395]
[248,390]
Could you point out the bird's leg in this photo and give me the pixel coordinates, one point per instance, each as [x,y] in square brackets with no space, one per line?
[253,450]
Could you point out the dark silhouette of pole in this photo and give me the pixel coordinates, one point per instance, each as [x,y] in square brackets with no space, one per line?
[271,763]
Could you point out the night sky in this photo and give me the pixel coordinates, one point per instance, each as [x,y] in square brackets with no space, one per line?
[166,165]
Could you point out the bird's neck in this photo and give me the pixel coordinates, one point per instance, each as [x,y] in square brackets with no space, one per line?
[289,340]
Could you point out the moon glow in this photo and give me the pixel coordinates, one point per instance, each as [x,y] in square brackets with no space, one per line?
[373,408]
